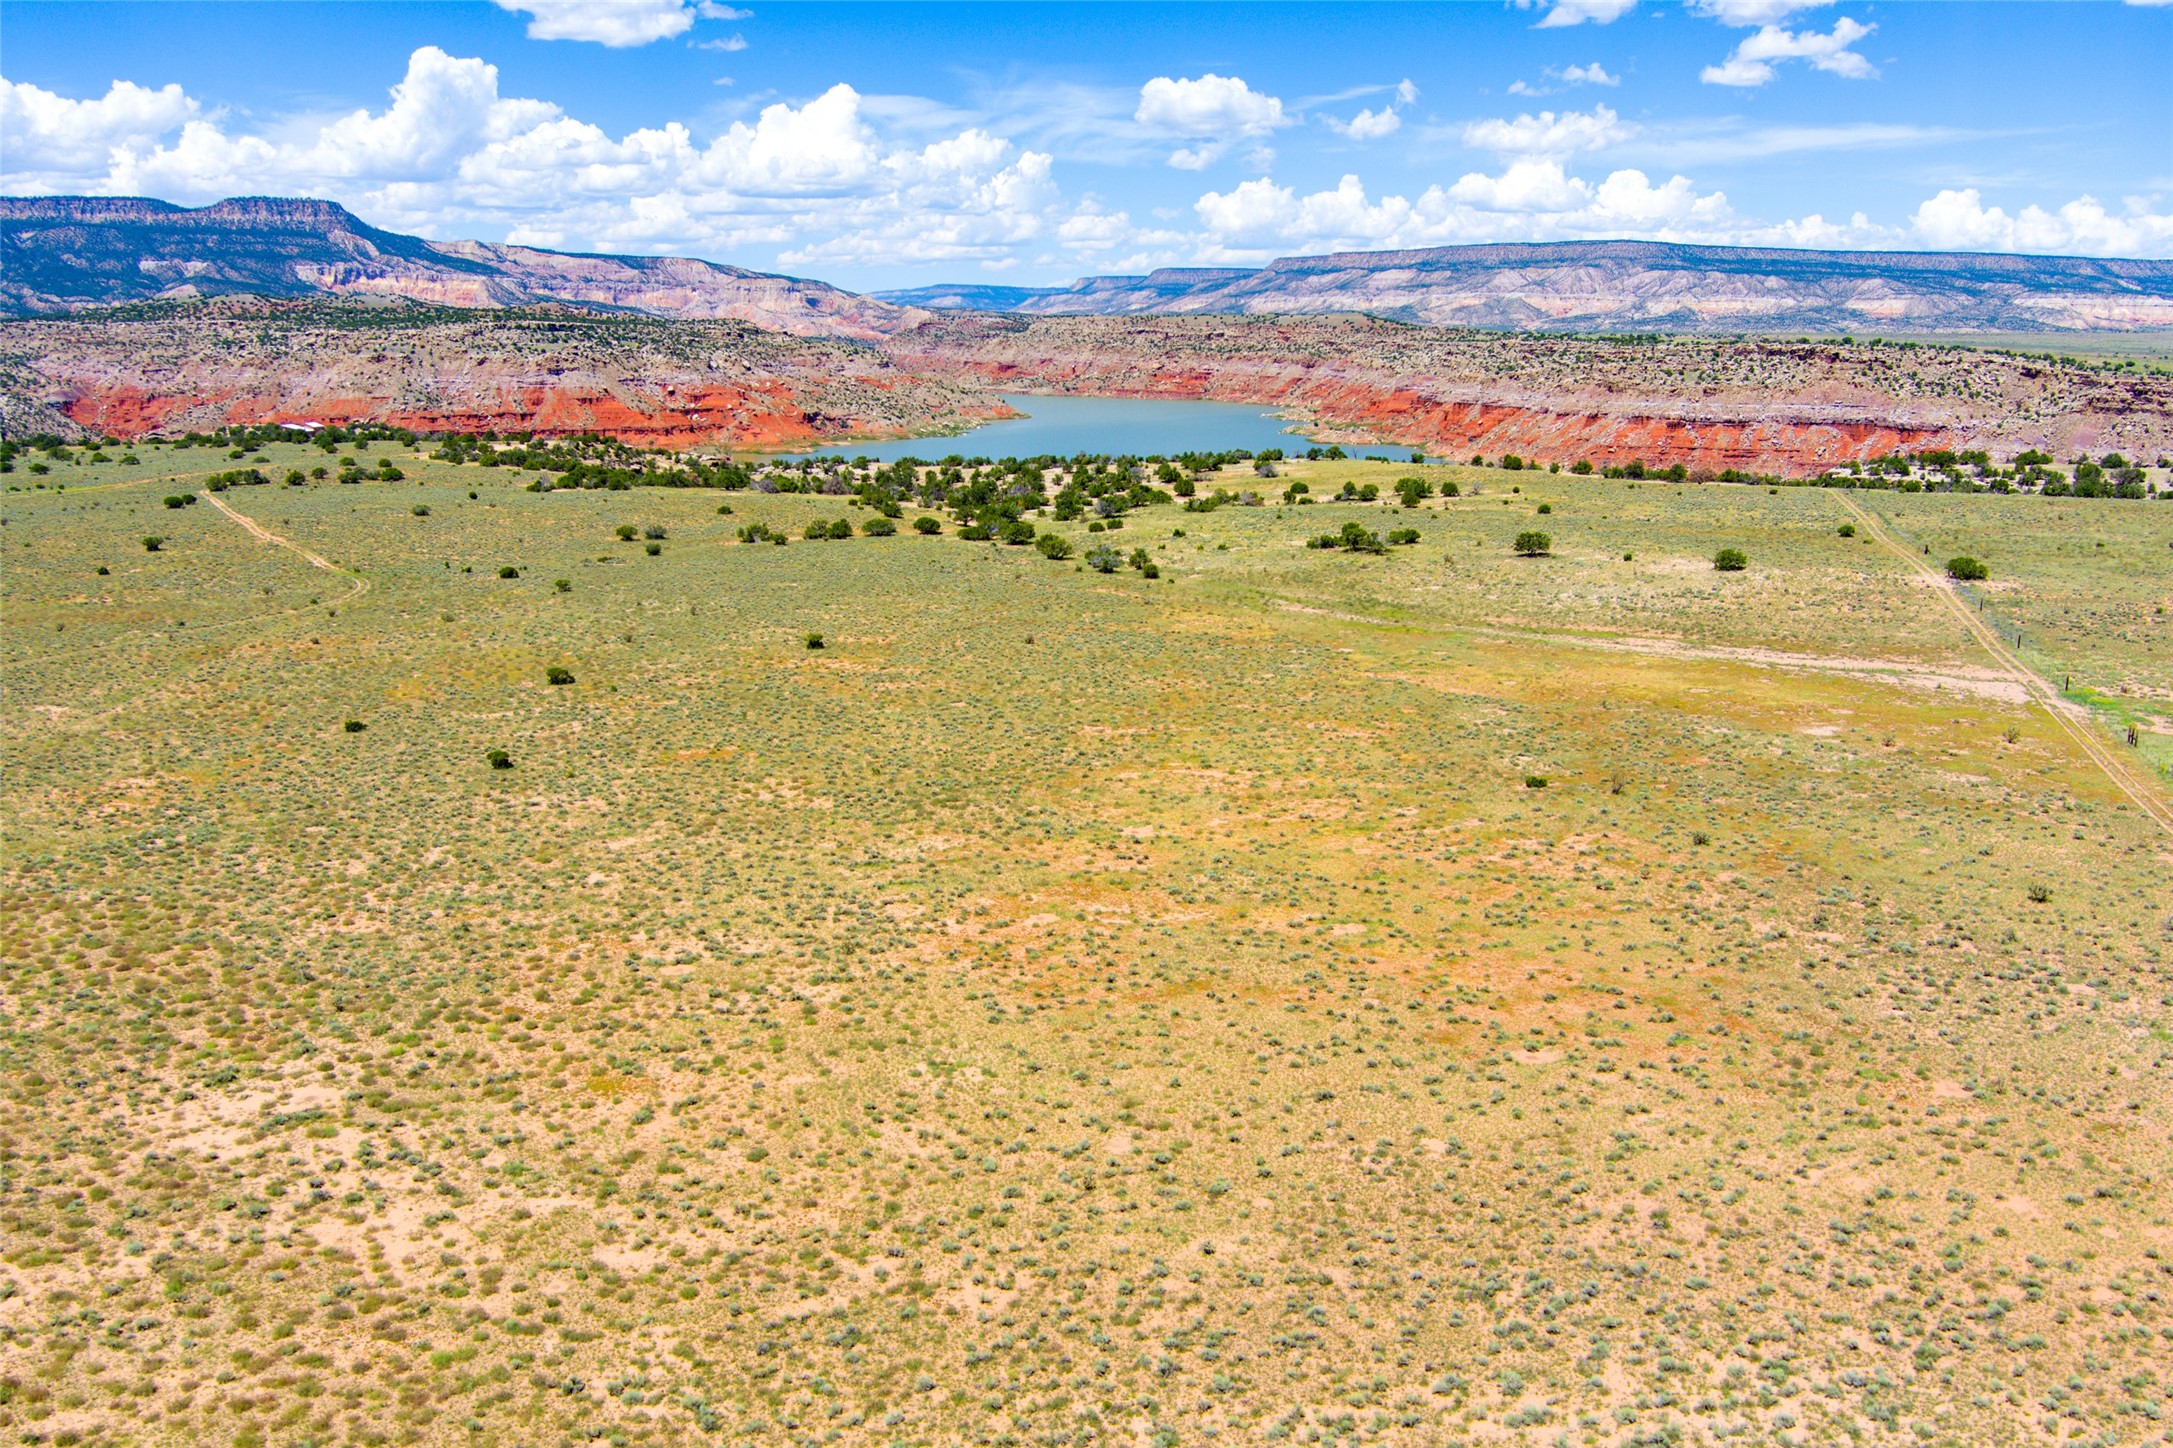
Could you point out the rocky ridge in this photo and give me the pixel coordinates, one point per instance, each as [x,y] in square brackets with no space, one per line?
[1759,405]
[1792,408]
[1617,286]
[70,253]
[174,368]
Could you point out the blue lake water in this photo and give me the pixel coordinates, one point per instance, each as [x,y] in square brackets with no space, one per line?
[1064,426]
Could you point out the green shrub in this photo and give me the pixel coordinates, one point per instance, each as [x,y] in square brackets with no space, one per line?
[420,510]
[928,525]
[1966,569]
[498,759]
[1848,530]
[563,585]
[1546,508]
[654,531]
[509,571]
[652,549]
[1018,533]
[153,542]
[1730,560]
[558,674]
[355,726]
[175,500]
[1054,546]
[1403,536]
[814,641]
[879,528]
[1451,489]
[1354,536]
[1535,781]
[1531,543]
[816,531]
[625,532]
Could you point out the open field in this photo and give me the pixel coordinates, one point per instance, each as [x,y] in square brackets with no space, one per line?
[2146,348]
[1440,997]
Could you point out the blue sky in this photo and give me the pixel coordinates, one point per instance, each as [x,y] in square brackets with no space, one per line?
[886,145]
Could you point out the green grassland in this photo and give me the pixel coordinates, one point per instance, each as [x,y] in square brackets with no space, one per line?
[1437,997]
[2146,348]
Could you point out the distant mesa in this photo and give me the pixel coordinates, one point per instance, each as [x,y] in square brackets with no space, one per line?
[72,253]
[63,254]
[1631,286]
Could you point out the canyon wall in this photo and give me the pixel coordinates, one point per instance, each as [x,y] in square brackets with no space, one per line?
[175,369]
[1757,405]
[63,254]
[1625,286]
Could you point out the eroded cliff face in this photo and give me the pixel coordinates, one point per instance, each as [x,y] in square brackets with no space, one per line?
[171,369]
[1761,406]
[1631,286]
[68,253]
[1767,406]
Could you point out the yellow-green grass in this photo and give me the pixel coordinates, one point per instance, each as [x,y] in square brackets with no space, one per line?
[1066,1007]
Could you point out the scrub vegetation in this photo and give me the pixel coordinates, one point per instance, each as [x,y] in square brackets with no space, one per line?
[489,962]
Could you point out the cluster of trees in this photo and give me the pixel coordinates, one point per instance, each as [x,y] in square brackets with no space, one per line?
[1943,470]
[876,527]
[1104,559]
[55,450]
[1355,537]
[1223,498]
[236,478]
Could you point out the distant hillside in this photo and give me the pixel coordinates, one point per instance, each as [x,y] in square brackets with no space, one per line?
[67,253]
[1634,286]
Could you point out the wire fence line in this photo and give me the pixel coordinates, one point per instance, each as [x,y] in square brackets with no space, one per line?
[1977,601]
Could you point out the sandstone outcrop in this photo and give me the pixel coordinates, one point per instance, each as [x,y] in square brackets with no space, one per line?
[1622,286]
[1790,408]
[558,371]
[71,253]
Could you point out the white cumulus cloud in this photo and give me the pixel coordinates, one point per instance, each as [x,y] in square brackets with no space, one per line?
[616,23]
[1368,125]
[1747,13]
[1550,133]
[45,131]
[1751,63]
[1578,12]
[1958,220]
[449,155]
[1213,112]
[1593,74]
[1533,199]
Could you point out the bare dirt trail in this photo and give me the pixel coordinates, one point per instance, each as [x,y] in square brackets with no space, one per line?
[256,530]
[2141,790]
[1990,683]
[267,535]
